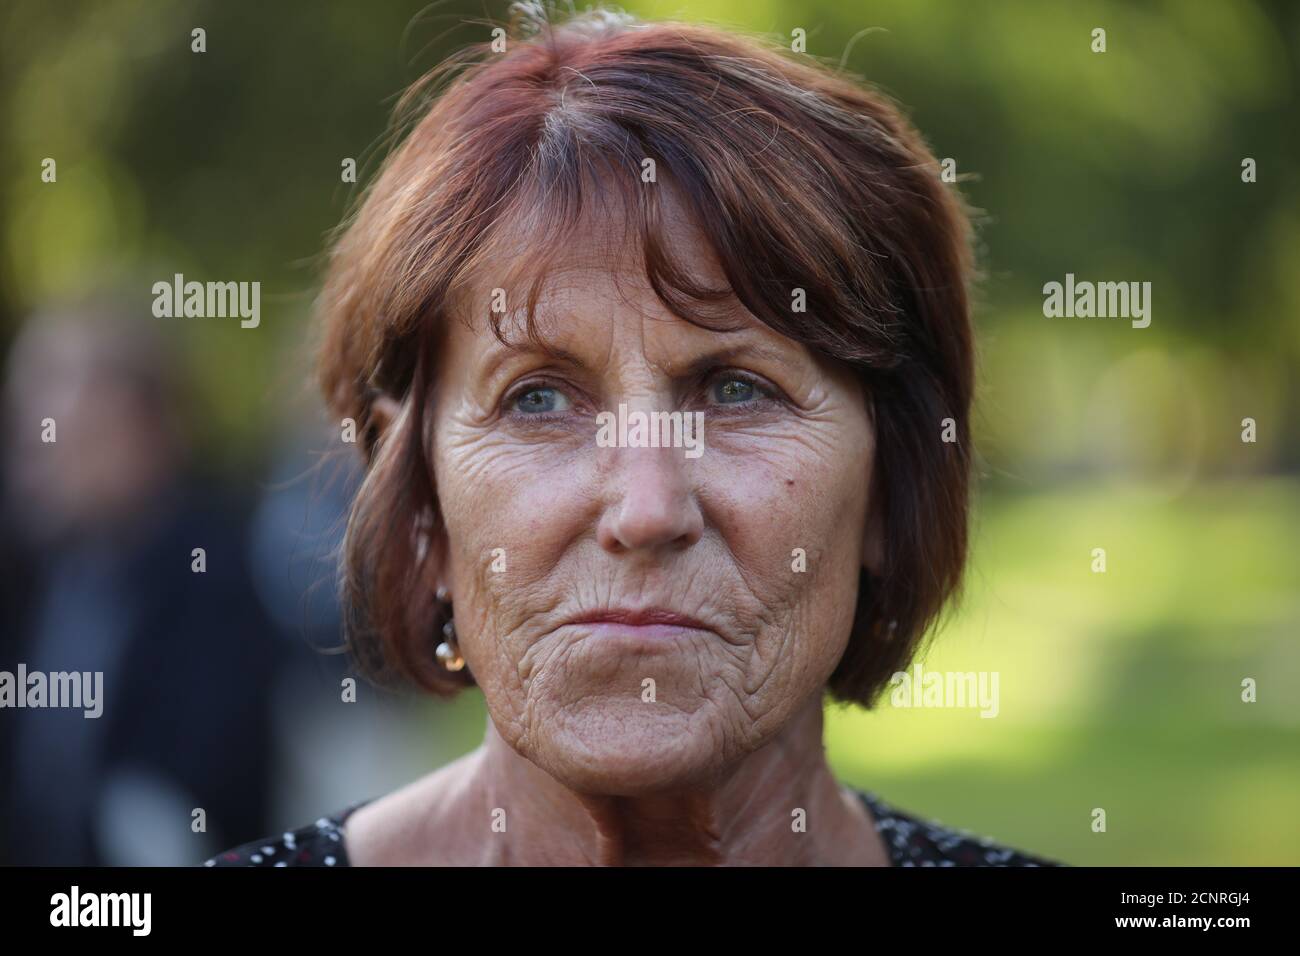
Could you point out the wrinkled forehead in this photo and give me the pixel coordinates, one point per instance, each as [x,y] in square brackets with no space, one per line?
[609,247]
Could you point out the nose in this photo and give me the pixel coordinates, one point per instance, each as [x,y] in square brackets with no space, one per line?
[651,504]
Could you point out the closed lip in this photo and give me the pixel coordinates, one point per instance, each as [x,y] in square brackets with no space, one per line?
[639,617]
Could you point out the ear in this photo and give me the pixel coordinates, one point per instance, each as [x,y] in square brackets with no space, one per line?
[873,543]
[383,412]
[436,572]
[873,540]
[435,566]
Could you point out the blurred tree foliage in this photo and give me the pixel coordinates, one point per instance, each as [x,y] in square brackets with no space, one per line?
[1123,165]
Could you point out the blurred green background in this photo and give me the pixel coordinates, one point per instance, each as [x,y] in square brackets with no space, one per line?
[1118,690]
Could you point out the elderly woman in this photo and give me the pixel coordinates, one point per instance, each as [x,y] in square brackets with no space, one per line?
[680,227]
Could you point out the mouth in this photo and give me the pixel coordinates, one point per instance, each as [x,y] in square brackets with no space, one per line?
[648,623]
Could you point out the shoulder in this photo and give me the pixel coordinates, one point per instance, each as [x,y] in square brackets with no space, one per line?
[417,824]
[315,844]
[915,841]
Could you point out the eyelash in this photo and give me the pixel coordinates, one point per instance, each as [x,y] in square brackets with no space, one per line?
[765,394]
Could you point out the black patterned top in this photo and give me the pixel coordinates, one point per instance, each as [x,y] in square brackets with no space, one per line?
[911,841]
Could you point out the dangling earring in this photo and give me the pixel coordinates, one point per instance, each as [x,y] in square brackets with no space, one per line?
[448,652]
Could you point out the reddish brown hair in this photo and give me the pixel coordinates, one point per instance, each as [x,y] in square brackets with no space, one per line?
[798,177]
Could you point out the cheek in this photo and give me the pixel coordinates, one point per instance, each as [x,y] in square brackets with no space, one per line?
[791,511]
[784,512]
[511,511]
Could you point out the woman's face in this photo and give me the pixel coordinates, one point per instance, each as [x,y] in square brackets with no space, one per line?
[639,618]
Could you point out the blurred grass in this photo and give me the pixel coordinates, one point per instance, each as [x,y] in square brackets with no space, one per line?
[1118,690]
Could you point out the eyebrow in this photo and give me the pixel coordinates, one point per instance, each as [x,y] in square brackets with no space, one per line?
[504,352]
[729,353]
[696,368]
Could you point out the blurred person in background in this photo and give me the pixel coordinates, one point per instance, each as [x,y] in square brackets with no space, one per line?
[326,739]
[99,527]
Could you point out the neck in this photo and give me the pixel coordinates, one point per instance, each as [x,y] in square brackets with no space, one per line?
[780,806]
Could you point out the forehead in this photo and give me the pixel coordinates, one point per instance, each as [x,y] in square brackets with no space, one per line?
[569,262]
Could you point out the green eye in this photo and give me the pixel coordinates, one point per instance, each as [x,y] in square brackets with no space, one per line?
[733,391]
[538,401]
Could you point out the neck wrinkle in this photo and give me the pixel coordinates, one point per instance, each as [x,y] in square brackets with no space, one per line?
[745,818]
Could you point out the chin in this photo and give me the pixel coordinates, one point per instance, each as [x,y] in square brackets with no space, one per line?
[628,748]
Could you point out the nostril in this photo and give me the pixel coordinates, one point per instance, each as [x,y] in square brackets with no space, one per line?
[651,512]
